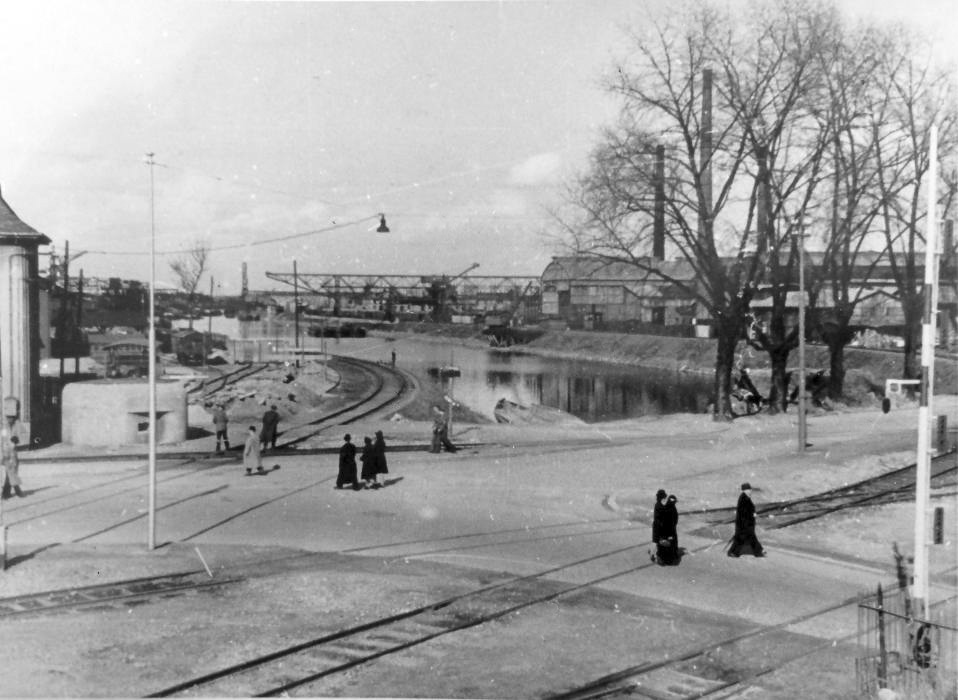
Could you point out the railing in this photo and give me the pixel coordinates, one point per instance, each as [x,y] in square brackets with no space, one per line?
[917,658]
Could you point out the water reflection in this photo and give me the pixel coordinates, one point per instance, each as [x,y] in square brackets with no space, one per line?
[593,391]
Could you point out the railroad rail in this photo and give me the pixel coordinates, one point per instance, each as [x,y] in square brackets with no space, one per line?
[891,487]
[137,590]
[306,662]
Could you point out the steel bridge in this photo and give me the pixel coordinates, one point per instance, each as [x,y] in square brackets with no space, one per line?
[440,295]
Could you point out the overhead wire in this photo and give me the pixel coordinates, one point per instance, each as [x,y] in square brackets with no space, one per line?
[335,225]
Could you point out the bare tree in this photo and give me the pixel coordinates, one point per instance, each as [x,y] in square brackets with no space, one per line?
[732,166]
[188,270]
[922,97]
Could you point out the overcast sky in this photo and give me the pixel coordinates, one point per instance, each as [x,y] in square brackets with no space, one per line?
[459,121]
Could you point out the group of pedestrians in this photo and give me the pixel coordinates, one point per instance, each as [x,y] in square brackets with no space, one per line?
[373,458]
[665,549]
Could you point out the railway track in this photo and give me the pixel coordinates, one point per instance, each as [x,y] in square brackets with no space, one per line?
[132,591]
[890,487]
[385,388]
[212,385]
[720,670]
[298,665]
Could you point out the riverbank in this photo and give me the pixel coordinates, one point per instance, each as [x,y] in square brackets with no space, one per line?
[866,369]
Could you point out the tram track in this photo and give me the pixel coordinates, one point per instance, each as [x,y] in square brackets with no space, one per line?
[41,602]
[297,665]
[722,669]
[98,596]
[891,487]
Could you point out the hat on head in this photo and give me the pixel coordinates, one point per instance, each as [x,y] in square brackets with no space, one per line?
[746,486]
[673,499]
[660,494]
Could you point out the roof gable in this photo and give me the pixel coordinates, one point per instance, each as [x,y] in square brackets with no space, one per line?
[13,230]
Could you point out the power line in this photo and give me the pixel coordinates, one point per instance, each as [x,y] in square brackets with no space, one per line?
[234,246]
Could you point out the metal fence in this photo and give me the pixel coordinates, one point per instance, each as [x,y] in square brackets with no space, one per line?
[917,658]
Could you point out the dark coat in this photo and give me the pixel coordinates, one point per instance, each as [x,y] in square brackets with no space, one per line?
[744,515]
[369,462]
[671,521]
[347,464]
[744,540]
[379,455]
[659,525]
[270,424]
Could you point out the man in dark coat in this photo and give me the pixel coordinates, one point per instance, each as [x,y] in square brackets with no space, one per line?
[379,453]
[347,464]
[744,540]
[270,424]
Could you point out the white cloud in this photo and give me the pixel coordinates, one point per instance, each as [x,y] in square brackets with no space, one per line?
[540,169]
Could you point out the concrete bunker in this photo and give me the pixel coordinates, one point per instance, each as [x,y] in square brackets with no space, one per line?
[115,412]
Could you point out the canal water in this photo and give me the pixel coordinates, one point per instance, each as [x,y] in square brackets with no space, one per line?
[592,391]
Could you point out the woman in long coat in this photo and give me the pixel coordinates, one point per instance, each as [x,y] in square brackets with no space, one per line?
[368,459]
[379,453]
[671,554]
[347,464]
[744,540]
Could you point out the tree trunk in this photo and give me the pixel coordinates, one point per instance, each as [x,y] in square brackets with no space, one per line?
[724,361]
[836,369]
[778,394]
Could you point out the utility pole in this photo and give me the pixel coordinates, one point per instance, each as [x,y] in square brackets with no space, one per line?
[923,457]
[208,341]
[802,426]
[151,349]
[79,319]
[296,312]
[64,301]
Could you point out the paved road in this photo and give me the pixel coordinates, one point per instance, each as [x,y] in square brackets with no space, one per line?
[320,559]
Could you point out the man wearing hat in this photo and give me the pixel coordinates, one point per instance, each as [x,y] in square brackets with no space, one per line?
[744,540]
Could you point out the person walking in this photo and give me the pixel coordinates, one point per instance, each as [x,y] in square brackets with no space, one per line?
[9,439]
[658,525]
[379,455]
[252,455]
[368,459]
[221,422]
[744,540]
[270,426]
[347,464]
[440,432]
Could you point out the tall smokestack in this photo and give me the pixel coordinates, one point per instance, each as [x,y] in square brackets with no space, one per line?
[658,223]
[705,162]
